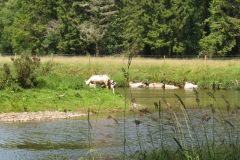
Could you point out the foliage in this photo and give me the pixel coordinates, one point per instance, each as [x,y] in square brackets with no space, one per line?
[224,26]
[25,67]
[25,73]
[95,27]
[108,27]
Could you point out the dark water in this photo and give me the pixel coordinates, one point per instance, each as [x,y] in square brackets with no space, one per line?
[70,139]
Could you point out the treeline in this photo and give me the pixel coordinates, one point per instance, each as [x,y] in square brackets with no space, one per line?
[104,27]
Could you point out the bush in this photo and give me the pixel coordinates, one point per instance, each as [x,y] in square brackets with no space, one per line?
[25,69]
[25,77]
[7,77]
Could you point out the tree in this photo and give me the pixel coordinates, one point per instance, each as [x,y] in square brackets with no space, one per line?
[133,27]
[69,18]
[224,24]
[158,32]
[95,27]
[147,27]
[164,27]
[8,9]
[27,28]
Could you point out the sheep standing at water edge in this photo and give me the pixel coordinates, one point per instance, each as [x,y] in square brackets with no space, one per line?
[98,79]
[102,80]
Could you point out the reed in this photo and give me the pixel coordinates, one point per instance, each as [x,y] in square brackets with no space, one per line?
[125,72]
[188,144]
[190,141]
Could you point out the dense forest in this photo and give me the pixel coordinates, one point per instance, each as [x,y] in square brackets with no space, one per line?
[105,27]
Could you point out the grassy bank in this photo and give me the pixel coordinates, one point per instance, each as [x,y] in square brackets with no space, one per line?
[32,100]
[207,74]
[62,84]
[70,71]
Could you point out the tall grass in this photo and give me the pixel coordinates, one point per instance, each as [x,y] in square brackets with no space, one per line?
[125,72]
[188,144]
[185,134]
[175,71]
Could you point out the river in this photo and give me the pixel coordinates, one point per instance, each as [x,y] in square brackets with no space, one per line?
[104,137]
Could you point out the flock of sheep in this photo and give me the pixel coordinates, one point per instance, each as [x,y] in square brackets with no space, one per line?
[105,81]
[187,85]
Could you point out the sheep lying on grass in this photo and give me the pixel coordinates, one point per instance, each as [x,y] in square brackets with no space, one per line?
[189,86]
[137,85]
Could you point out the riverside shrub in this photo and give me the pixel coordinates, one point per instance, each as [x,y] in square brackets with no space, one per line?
[25,75]
[25,67]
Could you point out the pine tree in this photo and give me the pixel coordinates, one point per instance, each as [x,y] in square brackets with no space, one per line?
[224,24]
[158,32]
[69,18]
[95,27]
[133,33]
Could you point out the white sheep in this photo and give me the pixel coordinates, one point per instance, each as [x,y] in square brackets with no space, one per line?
[156,85]
[166,86]
[137,85]
[189,86]
[98,80]
[102,80]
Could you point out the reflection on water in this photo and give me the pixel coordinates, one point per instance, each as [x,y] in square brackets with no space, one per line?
[148,96]
[62,139]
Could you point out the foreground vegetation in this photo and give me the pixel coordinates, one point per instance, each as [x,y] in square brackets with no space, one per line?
[178,132]
[210,134]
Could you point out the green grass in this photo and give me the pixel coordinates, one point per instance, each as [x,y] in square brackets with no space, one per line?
[63,80]
[59,100]
[65,70]
[206,76]
[223,152]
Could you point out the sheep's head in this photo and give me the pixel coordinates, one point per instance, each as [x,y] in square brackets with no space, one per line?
[87,82]
[111,83]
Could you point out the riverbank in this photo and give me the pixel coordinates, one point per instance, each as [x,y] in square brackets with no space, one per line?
[70,72]
[217,74]
[62,81]
[38,116]
[61,100]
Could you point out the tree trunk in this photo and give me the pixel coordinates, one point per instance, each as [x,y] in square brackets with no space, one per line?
[97,49]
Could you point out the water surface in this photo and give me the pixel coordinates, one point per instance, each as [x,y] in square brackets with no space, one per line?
[71,138]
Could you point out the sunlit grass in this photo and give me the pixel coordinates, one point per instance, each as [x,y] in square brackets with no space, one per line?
[207,74]
[210,134]
[121,60]
[67,74]
[33,100]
